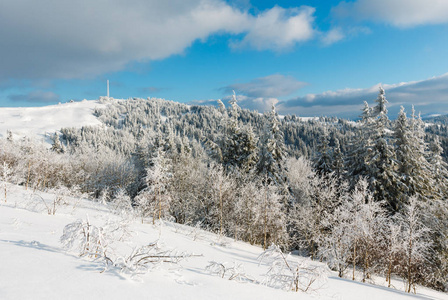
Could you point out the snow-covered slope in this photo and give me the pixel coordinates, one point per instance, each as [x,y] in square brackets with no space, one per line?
[34,264]
[39,122]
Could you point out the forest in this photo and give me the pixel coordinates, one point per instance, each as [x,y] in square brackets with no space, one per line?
[368,196]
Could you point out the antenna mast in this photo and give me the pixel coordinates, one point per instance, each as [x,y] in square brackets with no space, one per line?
[107,88]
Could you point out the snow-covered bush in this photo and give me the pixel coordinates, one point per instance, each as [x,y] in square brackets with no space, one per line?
[284,273]
[88,240]
[228,271]
[142,259]
[121,203]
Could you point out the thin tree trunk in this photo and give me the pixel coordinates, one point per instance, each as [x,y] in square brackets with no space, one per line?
[220,209]
[265,218]
[389,271]
[409,262]
[29,173]
[154,210]
[354,261]
[160,204]
[313,254]
[44,182]
[366,265]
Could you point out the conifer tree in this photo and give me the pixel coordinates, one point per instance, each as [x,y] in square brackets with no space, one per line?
[57,146]
[439,168]
[271,149]
[381,158]
[155,198]
[360,146]
[338,159]
[323,160]
[413,168]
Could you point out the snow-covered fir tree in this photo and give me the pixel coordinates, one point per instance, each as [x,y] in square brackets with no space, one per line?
[271,150]
[381,162]
[413,168]
[324,157]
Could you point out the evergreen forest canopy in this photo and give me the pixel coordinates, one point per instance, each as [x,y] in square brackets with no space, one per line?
[367,195]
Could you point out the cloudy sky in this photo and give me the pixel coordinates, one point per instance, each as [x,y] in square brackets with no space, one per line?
[311,57]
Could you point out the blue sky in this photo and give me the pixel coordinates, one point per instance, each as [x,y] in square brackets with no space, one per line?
[311,58]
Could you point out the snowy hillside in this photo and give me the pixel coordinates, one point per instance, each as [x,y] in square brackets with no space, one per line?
[36,266]
[39,122]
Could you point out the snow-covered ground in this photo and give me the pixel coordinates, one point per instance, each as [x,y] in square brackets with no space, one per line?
[34,265]
[40,122]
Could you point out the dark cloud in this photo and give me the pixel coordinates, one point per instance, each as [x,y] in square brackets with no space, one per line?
[276,85]
[260,104]
[427,95]
[35,97]
[77,39]
[400,13]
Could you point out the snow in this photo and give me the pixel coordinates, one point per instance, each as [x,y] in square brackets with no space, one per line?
[41,122]
[35,266]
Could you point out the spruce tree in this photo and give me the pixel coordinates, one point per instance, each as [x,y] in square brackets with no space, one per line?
[272,149]
[323,160]
[413,168]
[439,168]
[360,146]
[381,157]
[338,159]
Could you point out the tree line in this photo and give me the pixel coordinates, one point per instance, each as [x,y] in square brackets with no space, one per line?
[366,197]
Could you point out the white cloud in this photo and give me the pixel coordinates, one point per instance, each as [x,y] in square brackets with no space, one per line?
[74,39]
[339,33]
[279,28]
[401,13]
[333,36]
[429,96]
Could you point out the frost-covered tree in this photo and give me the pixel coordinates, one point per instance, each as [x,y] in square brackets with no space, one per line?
[121,202]
[57,146]
[338,159]
[222,192]
[439,168]
[335,246]
[369,219]
[187,189]
[415,244]
[239,146]
[324,159]
[248,213]
[434,215]
[271,150]
[6,173]
[381,160]
[316,202]
[392,245]
[155,199]
[273,215]
[354,230]
[413,168]
[360,146]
